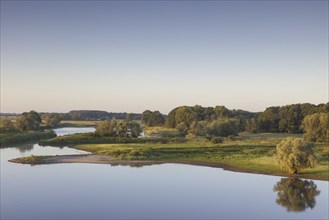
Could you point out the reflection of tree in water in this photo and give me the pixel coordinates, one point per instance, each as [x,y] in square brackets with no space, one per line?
[296,194]
[25,148]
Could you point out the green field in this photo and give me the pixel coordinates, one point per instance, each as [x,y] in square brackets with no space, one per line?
[248,154]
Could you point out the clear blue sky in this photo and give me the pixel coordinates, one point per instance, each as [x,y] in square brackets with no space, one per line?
[131,56]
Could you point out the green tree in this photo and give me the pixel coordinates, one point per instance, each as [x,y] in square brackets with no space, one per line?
[134,128]
[52,120]
[294,154]
[29,121]
[103,128]
[316,127]
[251,125]
[114,128]
[295,194]
[290,118]
[6,125]
[221,112]
[121,129]
[182,128]
[269,119]
[222,127]
[151,119]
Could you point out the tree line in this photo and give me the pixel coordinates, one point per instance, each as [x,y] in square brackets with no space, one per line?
[29,121]
[220,121]
[93,115]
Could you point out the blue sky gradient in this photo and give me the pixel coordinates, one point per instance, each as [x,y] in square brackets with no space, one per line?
[131,56]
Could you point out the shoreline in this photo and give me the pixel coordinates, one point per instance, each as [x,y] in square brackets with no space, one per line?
[106,159]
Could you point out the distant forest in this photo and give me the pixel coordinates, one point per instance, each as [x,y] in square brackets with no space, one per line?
[196,119]
[86,115]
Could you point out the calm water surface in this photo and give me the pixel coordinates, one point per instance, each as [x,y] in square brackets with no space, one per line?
[165,191]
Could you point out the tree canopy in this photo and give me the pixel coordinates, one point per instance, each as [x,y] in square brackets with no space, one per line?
[29,121]
[152,119]
[51,120]
[116,128]
[316,127]
[294,154]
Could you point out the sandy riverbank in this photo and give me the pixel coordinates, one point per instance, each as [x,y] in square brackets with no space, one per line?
[84,158]
[106,159]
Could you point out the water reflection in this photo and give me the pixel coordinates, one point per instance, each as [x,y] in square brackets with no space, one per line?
[295,194]
[25,148]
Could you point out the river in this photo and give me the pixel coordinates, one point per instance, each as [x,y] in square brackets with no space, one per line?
[167,191]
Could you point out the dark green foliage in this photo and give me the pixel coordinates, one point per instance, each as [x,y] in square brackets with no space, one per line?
[295,194]
[92,115]
[222,128]
[269,119]
[221,112]
[51,120]
[218,121]
[216,140]
[182,128]
[252,125]
[9,139]
[288,118]
[114,128]
[152,119]
[29,121]
[316,127]
[230,138]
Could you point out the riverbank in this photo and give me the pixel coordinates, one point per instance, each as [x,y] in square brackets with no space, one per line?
[80,158]
[14,138]
[106,159]
[246,154]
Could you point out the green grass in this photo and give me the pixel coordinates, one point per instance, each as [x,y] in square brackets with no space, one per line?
[92,138]
[246,135]
[14,138]
[247,155]
[161,132]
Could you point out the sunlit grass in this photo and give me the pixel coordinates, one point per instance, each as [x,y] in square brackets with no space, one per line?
[249,155]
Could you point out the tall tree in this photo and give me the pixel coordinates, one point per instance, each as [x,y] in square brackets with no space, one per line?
[151,119]
[29,121]
[52,120]
[294,154]
[316,127]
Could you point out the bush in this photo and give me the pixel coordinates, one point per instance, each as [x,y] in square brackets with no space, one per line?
[230,138]
[216,140]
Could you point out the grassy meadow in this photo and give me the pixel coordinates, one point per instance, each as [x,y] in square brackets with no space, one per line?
[249,153]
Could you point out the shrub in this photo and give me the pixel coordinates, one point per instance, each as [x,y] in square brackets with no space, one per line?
[216,140]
